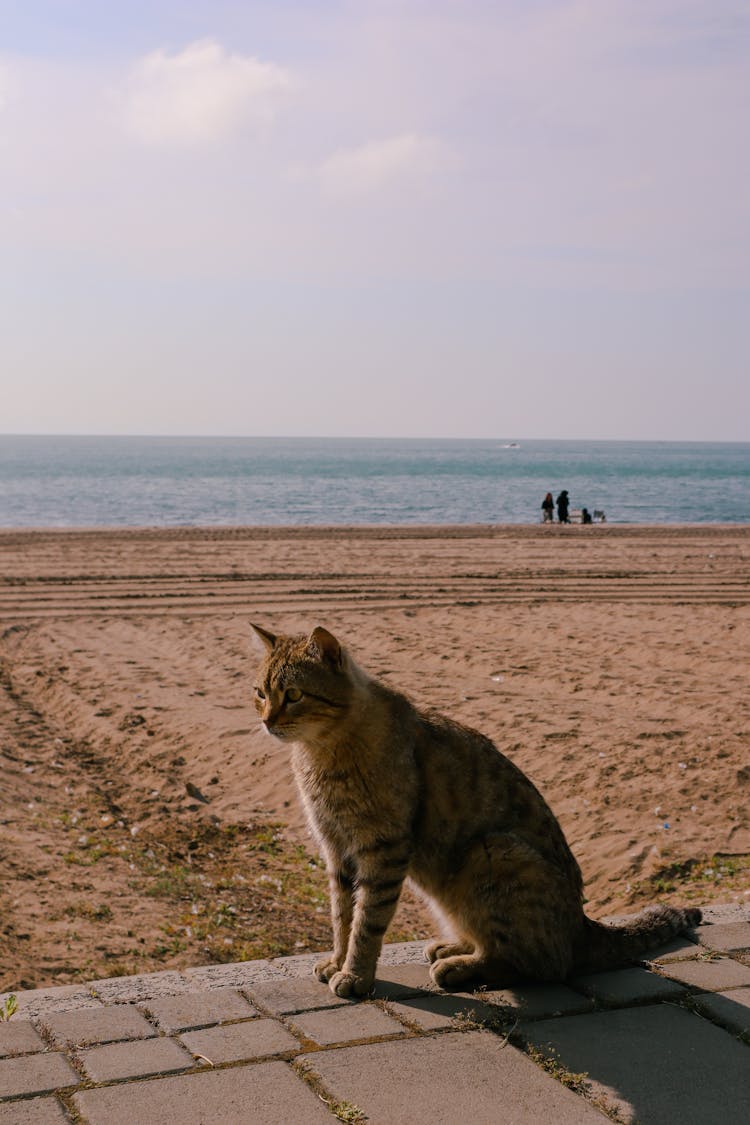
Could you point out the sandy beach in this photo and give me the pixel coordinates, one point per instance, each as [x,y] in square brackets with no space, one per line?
[146,822]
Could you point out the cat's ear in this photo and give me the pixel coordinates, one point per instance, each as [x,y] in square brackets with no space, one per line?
[325,645]
[268,639]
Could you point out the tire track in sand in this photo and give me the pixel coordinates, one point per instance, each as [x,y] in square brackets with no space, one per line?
[186,572]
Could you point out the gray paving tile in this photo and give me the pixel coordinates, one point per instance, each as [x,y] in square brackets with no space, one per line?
[198,1009]
[441,1080]
[344,1025]
[284,997]
[300,966]
[403,953]
[134,1059]
[680,949]
[440,1010]
[713,976]
[18,1037]
[35,1074]
[731,1009]
[264,1092]
[239,974]
[628,986]
[96,1025]
[35,1111]
[726,936]
[240,1041]
[394,982]
[65,998]
[655,1064]
[125,990]
[726,912]
[537,1001]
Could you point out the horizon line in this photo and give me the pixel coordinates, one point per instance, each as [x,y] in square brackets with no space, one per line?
[501,439]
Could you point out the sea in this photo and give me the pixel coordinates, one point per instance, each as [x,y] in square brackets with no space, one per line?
[78,482]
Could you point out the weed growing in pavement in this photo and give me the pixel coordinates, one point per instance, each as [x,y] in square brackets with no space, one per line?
[8,1008]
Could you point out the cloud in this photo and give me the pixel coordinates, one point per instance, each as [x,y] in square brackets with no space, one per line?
[200,95]
[377,164]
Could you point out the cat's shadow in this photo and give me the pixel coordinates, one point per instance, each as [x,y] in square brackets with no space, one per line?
[658,1061]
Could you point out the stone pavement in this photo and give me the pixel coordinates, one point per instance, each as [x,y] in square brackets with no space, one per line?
[262,1041]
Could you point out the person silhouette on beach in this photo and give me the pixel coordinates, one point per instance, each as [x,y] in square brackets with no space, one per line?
[562,507]
[548,508]
[585,516]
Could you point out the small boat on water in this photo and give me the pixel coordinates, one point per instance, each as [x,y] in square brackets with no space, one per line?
[511,445]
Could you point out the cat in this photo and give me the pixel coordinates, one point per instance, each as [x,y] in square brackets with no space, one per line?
[392,792]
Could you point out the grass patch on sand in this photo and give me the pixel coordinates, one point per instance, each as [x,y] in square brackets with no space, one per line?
[219,892]
[237,892]
[691,878]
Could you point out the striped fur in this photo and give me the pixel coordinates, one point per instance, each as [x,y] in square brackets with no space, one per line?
[393,792]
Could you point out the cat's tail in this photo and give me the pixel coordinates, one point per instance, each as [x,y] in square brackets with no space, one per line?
[609,946]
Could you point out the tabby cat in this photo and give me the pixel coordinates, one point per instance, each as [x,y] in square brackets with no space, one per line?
[391,791]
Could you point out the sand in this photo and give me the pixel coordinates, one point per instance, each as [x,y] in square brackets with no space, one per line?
[609,663]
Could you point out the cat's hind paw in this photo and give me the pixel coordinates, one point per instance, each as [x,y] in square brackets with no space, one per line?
[326,969]
[452,972]
[436,950]
[347,984]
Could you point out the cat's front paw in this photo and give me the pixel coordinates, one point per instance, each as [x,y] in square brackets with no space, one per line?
[326,969]
[347,984]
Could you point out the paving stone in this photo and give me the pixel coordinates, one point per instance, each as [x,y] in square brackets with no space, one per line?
[655,1064]
[403,953]
[285,997]
[65,998]
[726,912]
[454,1077]
[125,990]
[270,1093]
[394,982]
[627,986]
[35,1111]
[237,1041]
[35,1074]
[536,1001]
[135,1059]
[18,1037]
[680,949]
[726,936]
[440,1010]
[302,965]
[731,1009]
[713,976]
[96,1025]
[344,1025]
[239,974]
[198,1009]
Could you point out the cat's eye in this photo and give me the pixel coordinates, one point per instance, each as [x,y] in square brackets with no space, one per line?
[293,694]
[260,693]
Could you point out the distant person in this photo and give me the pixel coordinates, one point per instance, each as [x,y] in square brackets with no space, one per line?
[562,507]
[548,508]
[586,516]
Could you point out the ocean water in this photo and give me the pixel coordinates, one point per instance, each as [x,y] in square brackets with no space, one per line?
[163,482]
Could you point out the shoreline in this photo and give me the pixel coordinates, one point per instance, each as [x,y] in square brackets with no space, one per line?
[402,530]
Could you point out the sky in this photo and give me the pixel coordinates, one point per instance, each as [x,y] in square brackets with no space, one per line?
[425,218]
